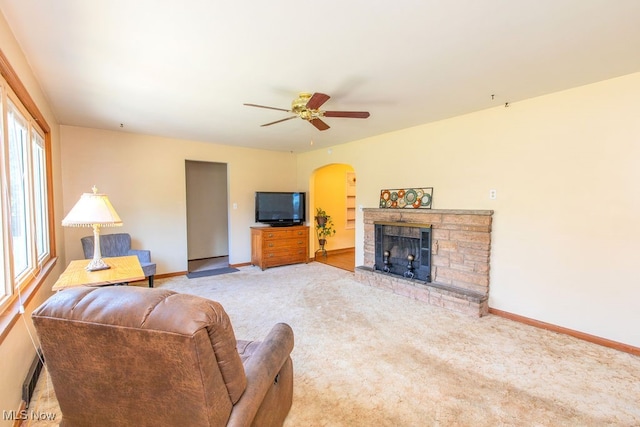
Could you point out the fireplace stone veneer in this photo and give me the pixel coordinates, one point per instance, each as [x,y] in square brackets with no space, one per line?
[460,255]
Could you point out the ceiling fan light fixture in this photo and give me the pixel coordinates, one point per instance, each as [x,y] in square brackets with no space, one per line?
[299,104]
[307,107]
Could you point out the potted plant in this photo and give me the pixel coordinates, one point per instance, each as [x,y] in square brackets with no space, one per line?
[324,228]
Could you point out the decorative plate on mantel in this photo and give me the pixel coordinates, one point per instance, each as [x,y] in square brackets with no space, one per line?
[407,198]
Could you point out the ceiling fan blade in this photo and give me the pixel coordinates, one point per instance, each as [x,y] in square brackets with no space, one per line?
[278,121]
[317,100]
[270,108]
[319,124]
[349,114]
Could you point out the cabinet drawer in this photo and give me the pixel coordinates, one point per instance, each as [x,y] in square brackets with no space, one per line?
[274,258]
[279,252]
[285,243]
[283,234]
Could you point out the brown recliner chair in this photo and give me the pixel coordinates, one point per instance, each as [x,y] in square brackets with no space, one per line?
[125,356]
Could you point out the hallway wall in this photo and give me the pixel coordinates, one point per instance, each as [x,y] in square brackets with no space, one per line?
[207,207]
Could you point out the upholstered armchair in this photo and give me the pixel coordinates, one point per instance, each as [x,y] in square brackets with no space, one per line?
[132,356]
[119,244]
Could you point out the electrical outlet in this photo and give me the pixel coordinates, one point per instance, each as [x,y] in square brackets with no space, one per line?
[493,194]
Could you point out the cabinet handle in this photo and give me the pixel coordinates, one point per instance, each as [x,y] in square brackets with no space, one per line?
[270,234]
[270,245]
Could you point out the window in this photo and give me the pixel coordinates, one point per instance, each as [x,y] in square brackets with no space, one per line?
[25,243]
[18,188]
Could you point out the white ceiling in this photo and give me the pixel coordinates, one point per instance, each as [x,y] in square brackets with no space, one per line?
[184,69]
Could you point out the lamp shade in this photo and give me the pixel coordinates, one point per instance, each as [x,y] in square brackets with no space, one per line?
[92,209]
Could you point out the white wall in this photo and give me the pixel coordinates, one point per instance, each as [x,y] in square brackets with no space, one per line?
[144,177]
[566,238]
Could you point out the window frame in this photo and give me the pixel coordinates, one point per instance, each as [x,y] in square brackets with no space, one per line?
[40,196]
[23,290]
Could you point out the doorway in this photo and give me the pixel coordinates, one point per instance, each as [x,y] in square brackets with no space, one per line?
[207,216]
[333,188]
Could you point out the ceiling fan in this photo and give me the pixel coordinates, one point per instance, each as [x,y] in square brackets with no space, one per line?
[306,106]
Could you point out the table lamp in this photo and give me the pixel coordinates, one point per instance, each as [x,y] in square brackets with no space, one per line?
[93,210]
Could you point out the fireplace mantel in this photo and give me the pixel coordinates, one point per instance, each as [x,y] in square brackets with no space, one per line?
[461,250]
[411,212]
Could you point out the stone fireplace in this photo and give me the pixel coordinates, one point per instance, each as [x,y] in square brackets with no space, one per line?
[449,251]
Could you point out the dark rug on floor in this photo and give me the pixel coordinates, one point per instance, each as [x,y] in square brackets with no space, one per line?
[213,272]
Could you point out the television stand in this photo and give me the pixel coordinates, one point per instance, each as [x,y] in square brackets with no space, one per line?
[275,246]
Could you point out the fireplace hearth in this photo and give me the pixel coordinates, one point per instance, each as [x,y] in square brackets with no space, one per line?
[451,256]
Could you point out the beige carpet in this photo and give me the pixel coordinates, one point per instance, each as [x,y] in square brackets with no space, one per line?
[366,357]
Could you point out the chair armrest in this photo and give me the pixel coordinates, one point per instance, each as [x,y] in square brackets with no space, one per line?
[143,255]
[261,369]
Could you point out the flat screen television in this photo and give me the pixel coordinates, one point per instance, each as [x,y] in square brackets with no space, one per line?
[280,208]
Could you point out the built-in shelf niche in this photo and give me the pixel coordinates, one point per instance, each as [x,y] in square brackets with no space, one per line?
[351,200]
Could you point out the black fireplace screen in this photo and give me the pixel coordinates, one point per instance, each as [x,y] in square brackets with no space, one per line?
[404,250]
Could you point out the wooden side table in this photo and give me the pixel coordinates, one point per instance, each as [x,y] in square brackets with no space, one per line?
[123,269]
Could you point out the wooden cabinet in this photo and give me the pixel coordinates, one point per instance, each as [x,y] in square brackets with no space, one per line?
[273,246]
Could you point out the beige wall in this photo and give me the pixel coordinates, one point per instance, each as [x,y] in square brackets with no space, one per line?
[17,350]
[144,177]
[565,167]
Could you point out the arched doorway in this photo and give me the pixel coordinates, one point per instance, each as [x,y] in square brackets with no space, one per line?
[333,189]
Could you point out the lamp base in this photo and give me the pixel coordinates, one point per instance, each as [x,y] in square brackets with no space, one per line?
[97,265]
